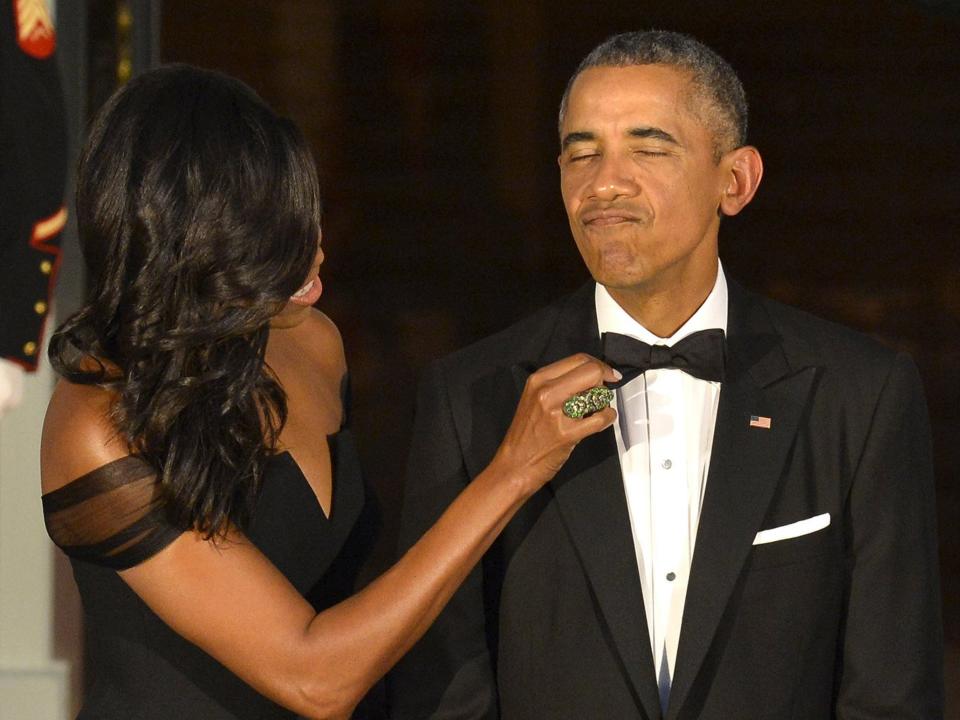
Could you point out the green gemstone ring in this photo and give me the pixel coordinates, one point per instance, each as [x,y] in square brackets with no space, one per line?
[588,402]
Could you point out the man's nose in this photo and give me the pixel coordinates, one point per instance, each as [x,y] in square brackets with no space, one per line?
[613,180]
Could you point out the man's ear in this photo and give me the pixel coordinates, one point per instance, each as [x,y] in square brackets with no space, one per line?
[743,170]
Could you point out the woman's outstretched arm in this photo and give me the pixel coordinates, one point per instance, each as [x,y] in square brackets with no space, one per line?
[227,598]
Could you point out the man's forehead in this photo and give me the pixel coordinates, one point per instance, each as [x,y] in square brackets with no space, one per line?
[603,86]
[633,95]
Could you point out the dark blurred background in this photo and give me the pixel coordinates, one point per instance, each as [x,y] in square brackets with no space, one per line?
[434,127]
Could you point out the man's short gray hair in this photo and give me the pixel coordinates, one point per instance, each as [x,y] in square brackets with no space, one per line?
[718,98]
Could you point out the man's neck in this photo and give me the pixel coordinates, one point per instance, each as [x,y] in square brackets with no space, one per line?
[663,310]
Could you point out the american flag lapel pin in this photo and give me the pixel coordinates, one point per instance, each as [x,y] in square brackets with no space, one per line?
[759,421]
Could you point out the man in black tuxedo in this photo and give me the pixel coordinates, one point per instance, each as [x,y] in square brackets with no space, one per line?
[755,537]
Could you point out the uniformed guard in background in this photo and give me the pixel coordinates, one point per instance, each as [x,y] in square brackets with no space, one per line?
[33,164]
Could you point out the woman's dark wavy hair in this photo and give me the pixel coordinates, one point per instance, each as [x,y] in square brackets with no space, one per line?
[199,214]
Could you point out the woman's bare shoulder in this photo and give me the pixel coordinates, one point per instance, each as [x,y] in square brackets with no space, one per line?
[78,435]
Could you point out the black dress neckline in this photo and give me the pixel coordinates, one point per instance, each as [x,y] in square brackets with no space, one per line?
[334,443]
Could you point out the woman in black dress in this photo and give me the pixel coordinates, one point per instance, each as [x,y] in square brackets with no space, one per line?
[196,464]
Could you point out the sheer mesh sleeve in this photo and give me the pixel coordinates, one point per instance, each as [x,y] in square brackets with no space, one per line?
[112,516]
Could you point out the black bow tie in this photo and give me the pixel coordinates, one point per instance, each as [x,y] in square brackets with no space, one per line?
[700,354]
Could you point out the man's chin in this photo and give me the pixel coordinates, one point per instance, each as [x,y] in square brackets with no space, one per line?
[619,278]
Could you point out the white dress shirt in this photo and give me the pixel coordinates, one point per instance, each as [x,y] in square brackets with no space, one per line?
[664,436]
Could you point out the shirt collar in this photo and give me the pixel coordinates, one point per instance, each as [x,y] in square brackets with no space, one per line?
[711,314]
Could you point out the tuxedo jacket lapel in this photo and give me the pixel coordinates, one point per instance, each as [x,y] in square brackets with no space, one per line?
[746,462]
[589,495]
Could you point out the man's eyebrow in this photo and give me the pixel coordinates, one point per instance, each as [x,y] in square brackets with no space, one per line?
[575,137]
[652,132]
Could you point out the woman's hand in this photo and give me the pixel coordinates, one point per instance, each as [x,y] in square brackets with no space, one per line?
[541,437]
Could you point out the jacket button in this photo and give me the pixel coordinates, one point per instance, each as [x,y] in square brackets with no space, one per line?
[46,267]
[29,348]
[39,307]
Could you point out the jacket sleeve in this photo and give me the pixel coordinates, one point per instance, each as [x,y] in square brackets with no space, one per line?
[892,655]
[33,172]
[448,673]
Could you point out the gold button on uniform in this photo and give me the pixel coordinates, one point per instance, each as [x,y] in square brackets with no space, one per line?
[39,307]
[29,348]
[46,267]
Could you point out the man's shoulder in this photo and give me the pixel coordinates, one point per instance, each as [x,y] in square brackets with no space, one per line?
[522,342]
[812,340]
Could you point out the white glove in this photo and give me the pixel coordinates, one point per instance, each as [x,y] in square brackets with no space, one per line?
[11,385]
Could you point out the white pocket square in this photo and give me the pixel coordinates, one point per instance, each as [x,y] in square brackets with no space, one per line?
[785,532]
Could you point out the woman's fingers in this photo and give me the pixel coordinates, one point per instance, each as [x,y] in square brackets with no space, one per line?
[560,368]
[555,389]
[541,436]
[550,387]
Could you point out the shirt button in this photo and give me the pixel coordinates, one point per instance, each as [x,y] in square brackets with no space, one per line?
[671,576]
[666,464]
[46,266]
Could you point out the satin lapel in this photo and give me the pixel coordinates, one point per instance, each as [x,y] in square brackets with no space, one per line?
[746,463]
[590,498]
